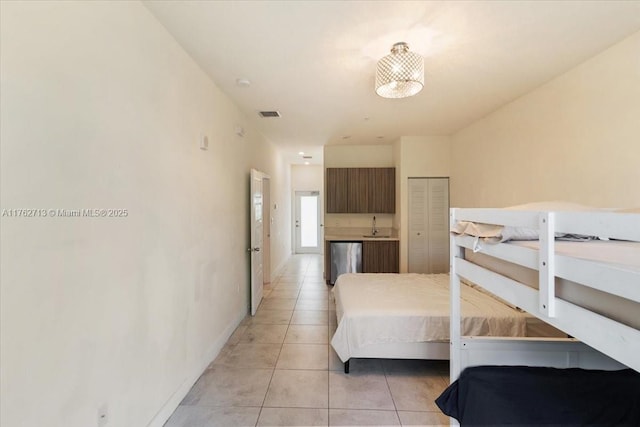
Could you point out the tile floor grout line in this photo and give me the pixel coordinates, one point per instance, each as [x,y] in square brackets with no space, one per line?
[386,380]
[274,368]
[282,345]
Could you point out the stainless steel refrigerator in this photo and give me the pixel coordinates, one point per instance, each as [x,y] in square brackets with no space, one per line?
[346,257]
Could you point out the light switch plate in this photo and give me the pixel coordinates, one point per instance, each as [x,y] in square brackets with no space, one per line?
[204,142]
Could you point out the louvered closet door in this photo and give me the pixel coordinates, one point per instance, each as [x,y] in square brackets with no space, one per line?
[428,225]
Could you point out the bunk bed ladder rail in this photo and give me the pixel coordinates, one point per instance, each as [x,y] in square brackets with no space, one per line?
[546,265]
[455,315]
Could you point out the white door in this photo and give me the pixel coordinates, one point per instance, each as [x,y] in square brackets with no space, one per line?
[307,222]
[257,236]
[428,225]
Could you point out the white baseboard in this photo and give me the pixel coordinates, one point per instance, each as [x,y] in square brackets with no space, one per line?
[172,403]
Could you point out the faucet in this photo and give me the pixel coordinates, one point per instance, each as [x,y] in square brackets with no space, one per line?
[374,230]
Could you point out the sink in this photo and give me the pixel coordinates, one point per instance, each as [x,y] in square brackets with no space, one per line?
[377,236]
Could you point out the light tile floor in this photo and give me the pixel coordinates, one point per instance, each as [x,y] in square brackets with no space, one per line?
[278,369]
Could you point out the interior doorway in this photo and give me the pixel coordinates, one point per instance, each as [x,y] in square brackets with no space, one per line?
[308,227]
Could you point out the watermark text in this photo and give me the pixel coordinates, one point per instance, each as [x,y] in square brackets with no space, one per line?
[65,213]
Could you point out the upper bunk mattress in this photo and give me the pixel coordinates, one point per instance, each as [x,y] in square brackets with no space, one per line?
[623,254]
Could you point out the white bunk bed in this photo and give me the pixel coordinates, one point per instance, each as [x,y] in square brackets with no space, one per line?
[606,335]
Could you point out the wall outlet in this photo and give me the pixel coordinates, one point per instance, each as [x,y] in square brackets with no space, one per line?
[103,415]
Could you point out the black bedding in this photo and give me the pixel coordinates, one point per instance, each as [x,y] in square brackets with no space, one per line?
[532,396]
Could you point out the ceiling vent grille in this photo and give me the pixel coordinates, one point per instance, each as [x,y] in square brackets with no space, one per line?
[307,157]
[269,114]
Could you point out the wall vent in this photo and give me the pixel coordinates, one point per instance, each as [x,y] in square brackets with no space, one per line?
[268,114]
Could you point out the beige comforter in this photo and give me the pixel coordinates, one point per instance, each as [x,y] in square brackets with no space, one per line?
[407,308]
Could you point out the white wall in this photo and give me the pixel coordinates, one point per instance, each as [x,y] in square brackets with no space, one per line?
[576,138]
[307,178]
[266,157]
[420,157]
[100,108]
[358,156]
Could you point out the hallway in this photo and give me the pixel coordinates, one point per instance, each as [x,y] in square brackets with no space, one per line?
[278,369]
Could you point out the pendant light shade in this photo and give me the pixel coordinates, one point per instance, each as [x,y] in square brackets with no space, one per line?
[400,74]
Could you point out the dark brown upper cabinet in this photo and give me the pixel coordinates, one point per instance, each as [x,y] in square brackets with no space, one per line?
[361,190]
[336,193]
[358,190]
[382,190]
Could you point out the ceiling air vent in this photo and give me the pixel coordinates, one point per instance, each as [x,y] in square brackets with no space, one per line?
[307,157]
[268,114]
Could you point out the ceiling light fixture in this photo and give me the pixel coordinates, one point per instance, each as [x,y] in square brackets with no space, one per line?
[400,74]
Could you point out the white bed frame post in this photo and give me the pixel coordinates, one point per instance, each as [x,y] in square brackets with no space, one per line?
[455,318]
[546,265]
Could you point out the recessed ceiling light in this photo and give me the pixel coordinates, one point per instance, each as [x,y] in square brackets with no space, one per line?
[301,153]
[306,163]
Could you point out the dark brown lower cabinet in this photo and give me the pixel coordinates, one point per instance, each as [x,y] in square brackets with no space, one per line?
[378,256]
[382,256]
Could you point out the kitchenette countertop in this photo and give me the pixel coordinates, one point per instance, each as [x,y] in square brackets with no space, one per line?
[359,234]
[358,238]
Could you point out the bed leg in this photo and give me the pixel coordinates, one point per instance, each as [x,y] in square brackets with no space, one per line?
[346,367]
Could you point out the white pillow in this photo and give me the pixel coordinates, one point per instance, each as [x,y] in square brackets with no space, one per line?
[476,229]
[521,233]
[503,234]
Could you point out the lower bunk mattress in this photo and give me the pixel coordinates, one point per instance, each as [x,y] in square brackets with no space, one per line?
[535,396]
